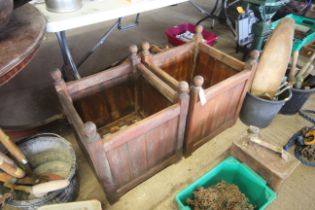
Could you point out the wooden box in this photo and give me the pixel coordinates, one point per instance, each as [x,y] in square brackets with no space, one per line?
[266,163]
[217,77]
[130,123]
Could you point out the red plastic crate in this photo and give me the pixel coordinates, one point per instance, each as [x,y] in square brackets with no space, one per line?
[181,28]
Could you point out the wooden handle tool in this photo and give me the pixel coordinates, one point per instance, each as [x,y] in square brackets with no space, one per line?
[12,148]
[42,189]
[308,71]
[4,178]
[11,169]
[306,66]
[6,158]
[293,67]
[16,152]
[272,147]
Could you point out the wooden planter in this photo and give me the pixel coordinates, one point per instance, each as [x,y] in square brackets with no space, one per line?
[221,79]
[130,123]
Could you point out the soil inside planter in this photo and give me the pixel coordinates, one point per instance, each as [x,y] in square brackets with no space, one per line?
[222,196]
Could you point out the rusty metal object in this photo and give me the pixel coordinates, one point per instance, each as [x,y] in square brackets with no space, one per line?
[20,40]
[6,8]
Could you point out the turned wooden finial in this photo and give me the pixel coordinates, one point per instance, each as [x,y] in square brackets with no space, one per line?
[254,54]
[198,81]
[183,87]
[56,75]
[90,130]
[134,57]
[253,58]
[199,29]
[133,49]
[198,36]
[146,55]
[146,46]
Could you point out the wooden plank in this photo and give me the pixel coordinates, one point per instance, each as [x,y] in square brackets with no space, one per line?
[154,145]
[173,83]
[205,67]
[94,109]
[151,100]
[167,56]
[235,100]
[180,67]
[69,110]
[75,95]
[221,107]
[138,159]
[221,72]
[146,175]
[101,78]
[118,159]
[143,126]
[222,57]
[163,88]
[226,84]
[169,137]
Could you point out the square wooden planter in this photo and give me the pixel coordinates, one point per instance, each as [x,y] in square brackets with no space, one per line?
[213,75]
[130,123]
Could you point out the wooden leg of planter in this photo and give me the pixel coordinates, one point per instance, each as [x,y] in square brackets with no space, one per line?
[191,124]
[183,97]
[95,148]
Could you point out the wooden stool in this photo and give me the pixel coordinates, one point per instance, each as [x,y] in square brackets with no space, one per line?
[266,163]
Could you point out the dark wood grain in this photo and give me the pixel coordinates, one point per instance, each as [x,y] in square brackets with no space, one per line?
[141,118]
[19,40]
[225,81]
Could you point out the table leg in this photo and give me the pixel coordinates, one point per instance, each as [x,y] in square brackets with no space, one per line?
[99,43]
[67,57]
[66,54]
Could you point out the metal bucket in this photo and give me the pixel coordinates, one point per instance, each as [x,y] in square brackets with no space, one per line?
[61,6]
[48,153]
[299,97]
[260,112]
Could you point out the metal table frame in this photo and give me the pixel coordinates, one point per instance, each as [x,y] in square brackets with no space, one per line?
[69,64]
[97,12]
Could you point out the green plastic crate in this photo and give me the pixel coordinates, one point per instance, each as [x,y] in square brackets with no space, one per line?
[305,22]
[233,172]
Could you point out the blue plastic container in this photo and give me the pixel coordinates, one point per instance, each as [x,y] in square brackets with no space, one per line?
[232,171]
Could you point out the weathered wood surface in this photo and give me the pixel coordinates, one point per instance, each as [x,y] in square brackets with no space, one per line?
[225,81]
[19,40]
[274,60]
[97,82]
[268,164]
[125,157]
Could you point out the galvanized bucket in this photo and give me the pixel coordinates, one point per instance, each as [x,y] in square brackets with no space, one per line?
[61,6]
[48,153]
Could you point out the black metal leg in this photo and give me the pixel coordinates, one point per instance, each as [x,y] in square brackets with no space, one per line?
[98,44]
[66,54]
[67,57]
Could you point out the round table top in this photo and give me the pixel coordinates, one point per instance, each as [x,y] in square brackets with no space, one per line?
[19,40]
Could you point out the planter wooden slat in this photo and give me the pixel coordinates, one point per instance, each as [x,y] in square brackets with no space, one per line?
[225,81]
[128,121]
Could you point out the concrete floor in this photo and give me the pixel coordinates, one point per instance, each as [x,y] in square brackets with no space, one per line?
[31,92]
